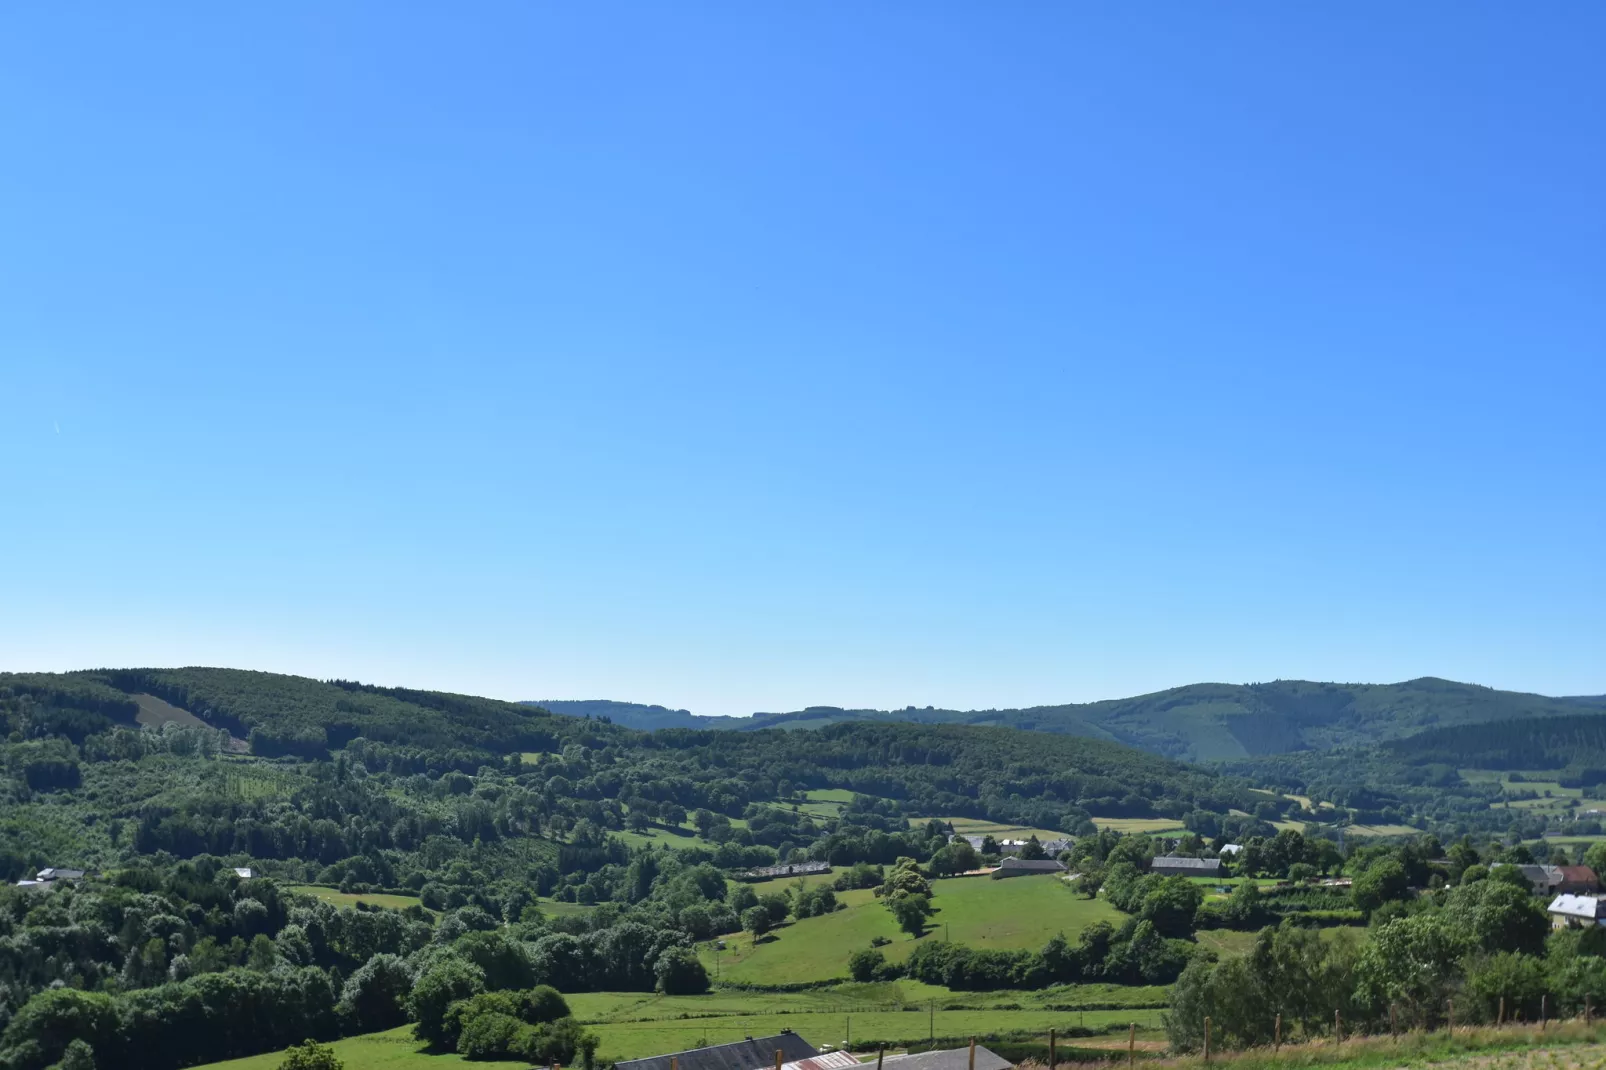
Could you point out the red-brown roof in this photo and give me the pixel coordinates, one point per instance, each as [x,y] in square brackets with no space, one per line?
[1578,875]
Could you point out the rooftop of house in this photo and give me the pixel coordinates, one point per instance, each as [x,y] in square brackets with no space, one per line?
[1032,865]
[1204,865]
[749,1054]
[950,1059]
[1577,906]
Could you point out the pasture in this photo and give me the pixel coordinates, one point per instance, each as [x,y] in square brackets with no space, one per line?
[352,899]
[1021,912]
[971,826]
[1139,824]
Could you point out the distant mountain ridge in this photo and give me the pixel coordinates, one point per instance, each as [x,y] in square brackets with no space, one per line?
[1198,722]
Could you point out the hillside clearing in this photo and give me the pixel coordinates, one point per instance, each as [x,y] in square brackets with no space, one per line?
[353,899]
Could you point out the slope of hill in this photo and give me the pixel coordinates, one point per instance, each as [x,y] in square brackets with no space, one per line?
[1203,722]
[637,715]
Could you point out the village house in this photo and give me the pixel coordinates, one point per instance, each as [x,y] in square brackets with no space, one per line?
[790,869]
[1552,880]
[1576,912]
[1021,867]
[1173,866]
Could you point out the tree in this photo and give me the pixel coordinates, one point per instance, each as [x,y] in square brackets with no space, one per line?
[679,973]
[78,1056]
[1033,849]
[375,995]
[438,987]
[311,1055]
[911,912]
[1411,962]
[905,878]
[1383,882]
[865,963]
[756,920]
[1171,905]
[1498,916]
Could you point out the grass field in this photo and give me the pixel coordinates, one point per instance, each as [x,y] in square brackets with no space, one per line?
[635,1024]
[351,899]
[1382,830]
[970,826]
[1139,824]
[1022,912]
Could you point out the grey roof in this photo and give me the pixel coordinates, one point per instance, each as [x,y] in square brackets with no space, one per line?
[1031,865]
[749,1054]
[51,873]
[952,1059]
[1199,865]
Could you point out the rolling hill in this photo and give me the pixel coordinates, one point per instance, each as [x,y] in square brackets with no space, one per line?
[1199,722]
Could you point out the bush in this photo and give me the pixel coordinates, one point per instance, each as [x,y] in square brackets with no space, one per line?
[311,1055]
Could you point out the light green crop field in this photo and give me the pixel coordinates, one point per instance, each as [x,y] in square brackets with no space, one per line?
[1139,824]
[970,826]
[1382,830]
[1021,912]
[351,899]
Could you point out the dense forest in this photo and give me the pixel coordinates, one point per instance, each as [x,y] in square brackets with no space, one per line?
[1196,722]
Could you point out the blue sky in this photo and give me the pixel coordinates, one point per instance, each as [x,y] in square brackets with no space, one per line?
[744,357]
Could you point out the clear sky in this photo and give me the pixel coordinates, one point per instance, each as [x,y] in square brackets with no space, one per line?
[747,356]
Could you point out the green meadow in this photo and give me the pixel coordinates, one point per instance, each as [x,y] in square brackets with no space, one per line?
[1021,912]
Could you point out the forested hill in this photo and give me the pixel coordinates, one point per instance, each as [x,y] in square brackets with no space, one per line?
[1197,722]
[638,715]
[1054,782]
[1576,745]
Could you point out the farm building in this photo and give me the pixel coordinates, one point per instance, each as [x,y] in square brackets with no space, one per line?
[1576,911]
[1551,880]
[790,869]
[1230,849]
[1010,846]
[951,1059]
[1020,867]
[749,1054]
[55,873]
[1172,866]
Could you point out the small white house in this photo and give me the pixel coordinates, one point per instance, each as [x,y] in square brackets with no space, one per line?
[243,872]
[1229,850]
[1576,912]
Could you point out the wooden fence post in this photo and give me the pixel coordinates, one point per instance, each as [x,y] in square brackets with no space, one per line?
[972,1053]
[1588,1008]
[1131,1043]
[1452,1016]
[1338,1027]
[880,1053]
[1394,1029]
[1051,1051]
[1501,1020]
[1544,1007]
[1207,1039]
[1277,1035]
[777,1059]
